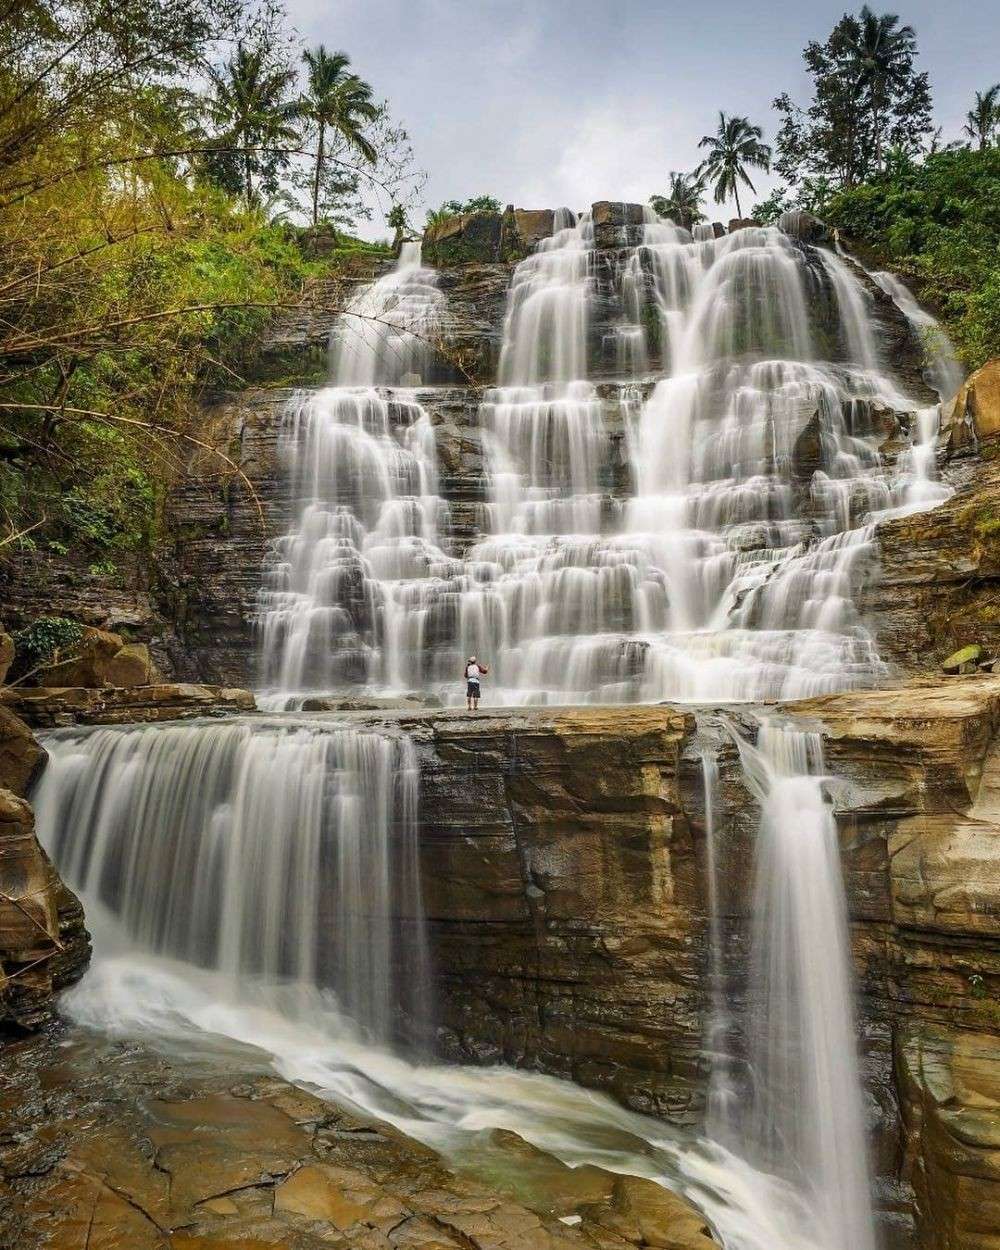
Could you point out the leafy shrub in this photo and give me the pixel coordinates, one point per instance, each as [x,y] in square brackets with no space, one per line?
[938,224]
[40,641]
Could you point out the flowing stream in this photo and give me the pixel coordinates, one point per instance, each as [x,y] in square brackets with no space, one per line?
[254,883]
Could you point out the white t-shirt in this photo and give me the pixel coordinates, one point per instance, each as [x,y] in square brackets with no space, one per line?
[472,672]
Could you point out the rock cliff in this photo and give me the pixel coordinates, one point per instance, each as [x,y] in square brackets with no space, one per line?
[43,943]
[564,864]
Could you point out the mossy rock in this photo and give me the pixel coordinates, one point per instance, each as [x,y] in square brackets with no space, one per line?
[958,661]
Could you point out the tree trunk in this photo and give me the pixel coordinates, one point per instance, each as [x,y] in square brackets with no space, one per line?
[248,180]
[736,193]
[319,173]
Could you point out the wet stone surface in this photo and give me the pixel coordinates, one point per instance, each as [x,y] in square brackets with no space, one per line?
[107,1146]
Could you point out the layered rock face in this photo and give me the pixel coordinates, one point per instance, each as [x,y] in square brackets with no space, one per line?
[208,572]
[43,943]
[561,881]
[937,583]
[564,869]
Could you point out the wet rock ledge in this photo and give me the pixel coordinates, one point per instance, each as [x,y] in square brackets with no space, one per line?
[105,1146]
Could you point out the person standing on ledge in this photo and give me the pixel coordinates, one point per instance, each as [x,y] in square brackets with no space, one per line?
[473,672]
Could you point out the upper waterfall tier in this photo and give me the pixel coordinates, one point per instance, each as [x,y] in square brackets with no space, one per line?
[686,448]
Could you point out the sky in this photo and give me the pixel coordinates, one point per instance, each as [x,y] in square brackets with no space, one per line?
[554,103]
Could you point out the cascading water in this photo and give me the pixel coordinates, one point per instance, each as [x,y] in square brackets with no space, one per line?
[748,387]
[730,570]
[802,1115]
[254,882]
[261,876]
[280,855]
[348,590]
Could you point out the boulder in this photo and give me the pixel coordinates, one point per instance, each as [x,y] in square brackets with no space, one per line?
[21,757]
[799,224]
[742,223]
[522,229]
[6,655]
[464,238]
[100,659]
[616,224]
[973,416]
[965,660]
[43,944]
[644,1213]
[131,666]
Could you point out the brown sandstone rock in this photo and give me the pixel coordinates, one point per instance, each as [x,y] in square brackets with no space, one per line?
[6,655]
[42,947]
[134,1152]
[131,666]
[99,660]
[642,1211]
[21,757]
[973,416]
[522,229]
[86,665]
[936,586]
[950,1087]
[45,709]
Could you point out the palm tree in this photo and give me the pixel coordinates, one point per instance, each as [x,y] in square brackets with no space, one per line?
[435,216]
[339,101]
[250,109]
[983,118]
[683,204]
[881,53]
[734,147]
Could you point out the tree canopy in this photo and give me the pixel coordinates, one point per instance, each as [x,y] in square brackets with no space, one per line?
[682,204]
[868,98]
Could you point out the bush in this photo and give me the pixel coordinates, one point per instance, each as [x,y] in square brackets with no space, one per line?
[40,641]
[937,223]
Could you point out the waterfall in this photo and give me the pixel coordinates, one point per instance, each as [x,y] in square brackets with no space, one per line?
[281,855]
[731,569]
[349,591]
[685,463]
[721,1091]
[718,558]
[802,1117]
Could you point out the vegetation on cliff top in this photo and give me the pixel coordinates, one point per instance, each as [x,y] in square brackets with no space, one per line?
[145,193]
[937,223]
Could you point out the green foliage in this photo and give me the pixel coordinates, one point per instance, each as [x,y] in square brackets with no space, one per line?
[982,122]
[867,99]
[767,211]
[683,203]
[455,208]
[475,204]
[341,103]
[938,224]
[43,639]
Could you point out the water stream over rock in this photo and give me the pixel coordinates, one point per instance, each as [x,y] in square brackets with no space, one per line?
[758,415]
[257,879]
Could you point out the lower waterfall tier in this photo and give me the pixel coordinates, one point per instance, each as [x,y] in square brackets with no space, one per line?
[563,863]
